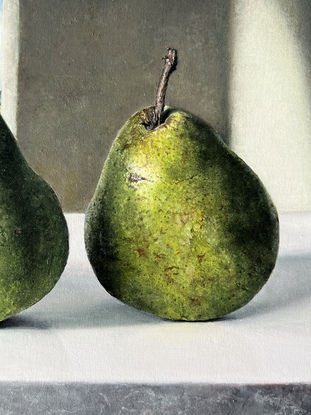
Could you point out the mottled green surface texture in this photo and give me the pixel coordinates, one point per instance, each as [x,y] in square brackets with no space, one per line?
[179,226]
[33,232]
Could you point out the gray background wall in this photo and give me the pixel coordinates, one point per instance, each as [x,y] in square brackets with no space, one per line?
[74,71]
[84,67]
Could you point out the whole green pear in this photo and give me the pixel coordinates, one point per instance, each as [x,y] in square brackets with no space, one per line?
[33,231]
[179,226]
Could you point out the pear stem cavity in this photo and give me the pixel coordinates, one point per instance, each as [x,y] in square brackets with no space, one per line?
[170,63]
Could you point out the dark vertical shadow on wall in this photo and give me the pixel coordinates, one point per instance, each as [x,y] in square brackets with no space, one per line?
[230,45]
[299,13]
[85,67]
[1,8]
[296,14]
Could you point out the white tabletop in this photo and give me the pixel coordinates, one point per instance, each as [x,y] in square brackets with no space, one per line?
[78,333]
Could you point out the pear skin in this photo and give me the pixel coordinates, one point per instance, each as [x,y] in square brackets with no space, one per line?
[33,231]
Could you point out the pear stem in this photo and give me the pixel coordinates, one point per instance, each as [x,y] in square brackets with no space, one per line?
[170,63]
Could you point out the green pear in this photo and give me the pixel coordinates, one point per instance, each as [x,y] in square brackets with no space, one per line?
[33,231]
[179,226]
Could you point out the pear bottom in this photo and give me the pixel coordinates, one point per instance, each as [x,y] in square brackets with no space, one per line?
[33,248]
[176,280]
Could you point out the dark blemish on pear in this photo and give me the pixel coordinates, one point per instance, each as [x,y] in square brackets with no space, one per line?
[136,178]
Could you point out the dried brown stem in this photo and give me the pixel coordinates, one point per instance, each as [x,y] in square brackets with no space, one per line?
[170,63]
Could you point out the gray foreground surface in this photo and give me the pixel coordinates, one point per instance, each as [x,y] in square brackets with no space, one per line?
[33,399]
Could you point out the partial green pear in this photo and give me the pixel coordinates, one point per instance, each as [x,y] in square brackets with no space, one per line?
[179,226]
[33,231]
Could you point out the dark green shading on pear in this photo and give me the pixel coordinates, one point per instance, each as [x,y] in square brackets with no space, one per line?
[179,226]
[33,231]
